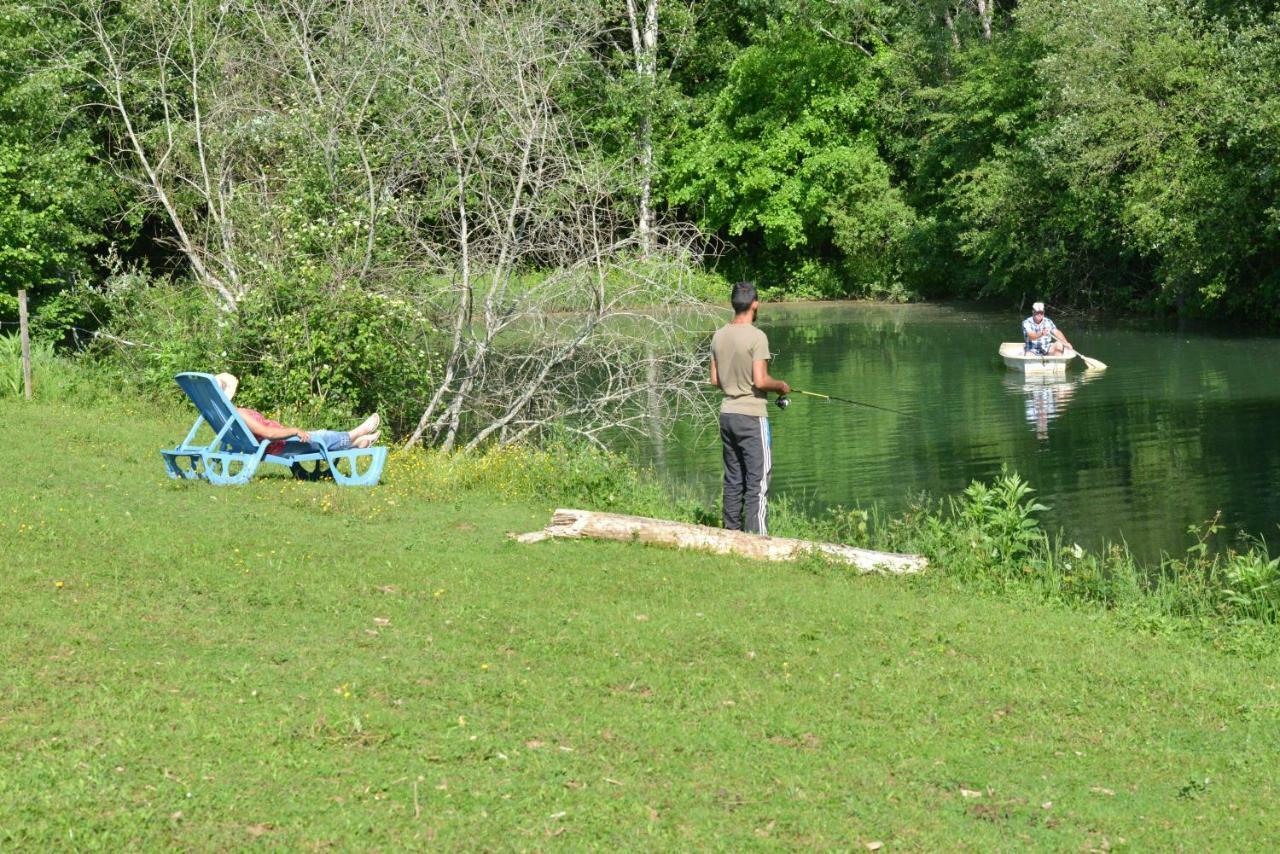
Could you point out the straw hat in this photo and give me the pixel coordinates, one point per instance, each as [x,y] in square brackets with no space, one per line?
[229,384]
[1035,306]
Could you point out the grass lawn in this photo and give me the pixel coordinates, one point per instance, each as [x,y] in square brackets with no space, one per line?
[298,665]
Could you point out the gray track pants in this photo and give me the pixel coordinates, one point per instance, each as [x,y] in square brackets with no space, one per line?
[748,462]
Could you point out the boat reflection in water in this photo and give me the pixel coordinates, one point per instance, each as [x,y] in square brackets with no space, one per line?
[1047,396]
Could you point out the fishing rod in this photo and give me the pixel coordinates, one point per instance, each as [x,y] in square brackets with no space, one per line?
[783,402]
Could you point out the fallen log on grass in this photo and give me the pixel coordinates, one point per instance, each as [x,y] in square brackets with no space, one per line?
[576,524]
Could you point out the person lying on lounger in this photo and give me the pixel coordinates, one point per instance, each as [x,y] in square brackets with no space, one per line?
[331,440]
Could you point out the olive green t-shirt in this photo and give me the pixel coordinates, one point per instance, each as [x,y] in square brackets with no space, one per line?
[735,347]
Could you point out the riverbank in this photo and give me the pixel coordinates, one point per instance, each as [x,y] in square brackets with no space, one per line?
[204,667]
[993,536]
[1178,429]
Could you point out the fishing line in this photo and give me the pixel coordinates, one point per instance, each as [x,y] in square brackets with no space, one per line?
[783,402]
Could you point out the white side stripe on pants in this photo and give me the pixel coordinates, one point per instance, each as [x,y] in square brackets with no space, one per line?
[764,475]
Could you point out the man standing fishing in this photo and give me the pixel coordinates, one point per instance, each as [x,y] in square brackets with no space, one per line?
[740,368]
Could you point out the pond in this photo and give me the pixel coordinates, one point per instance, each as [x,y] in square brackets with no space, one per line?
[1181,426]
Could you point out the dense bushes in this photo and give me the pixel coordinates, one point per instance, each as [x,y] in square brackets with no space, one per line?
[59,202]
[296,349]
[990,537]
[786,165]
[1116,153]
[1113,153]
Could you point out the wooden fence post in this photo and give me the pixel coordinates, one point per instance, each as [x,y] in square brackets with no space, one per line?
[25,336]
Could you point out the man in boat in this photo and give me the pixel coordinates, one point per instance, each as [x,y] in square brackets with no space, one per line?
[740,369]
[1041,335]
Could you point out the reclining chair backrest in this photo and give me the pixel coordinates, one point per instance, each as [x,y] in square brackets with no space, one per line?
[217,410]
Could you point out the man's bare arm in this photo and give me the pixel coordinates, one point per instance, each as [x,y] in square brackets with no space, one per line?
[715,374]
[266,431]
[760,378]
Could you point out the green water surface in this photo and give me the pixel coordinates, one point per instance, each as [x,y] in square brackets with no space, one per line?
[1181,426]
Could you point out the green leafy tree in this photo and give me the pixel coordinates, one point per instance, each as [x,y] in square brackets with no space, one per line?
[787,161]
[55,194]
[1117,153]
[1166,119]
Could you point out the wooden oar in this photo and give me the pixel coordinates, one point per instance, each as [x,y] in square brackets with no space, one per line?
[1092,364]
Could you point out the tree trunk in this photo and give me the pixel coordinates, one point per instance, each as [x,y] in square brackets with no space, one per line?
[985,10]
[644,44]
[576,524]
[949,20]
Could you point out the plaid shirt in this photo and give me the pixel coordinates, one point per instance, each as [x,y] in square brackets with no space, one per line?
[1030,326]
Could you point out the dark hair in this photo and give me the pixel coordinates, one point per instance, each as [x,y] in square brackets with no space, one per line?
[743,294]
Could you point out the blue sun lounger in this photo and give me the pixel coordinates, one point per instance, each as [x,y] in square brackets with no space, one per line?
[235,453]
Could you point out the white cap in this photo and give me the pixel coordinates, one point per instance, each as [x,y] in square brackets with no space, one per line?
[1037,306]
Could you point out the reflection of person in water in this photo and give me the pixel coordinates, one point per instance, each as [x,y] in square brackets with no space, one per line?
[1045,402]
[1046,398]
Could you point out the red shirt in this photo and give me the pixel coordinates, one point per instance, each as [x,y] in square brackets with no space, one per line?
[277,445]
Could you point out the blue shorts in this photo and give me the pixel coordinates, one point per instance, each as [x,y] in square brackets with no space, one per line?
[332,440]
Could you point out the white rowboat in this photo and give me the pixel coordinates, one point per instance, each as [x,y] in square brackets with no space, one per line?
[1017,359]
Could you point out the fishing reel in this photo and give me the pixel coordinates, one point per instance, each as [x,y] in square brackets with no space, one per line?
[783,401]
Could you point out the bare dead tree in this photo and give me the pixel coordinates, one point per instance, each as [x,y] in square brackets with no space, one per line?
[543,263]
[168,146]
[419,151]
[219,106]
